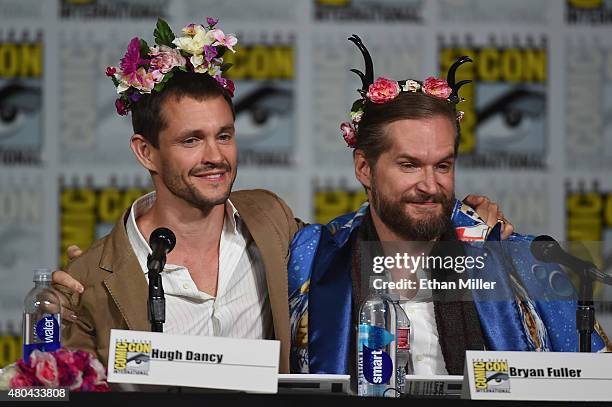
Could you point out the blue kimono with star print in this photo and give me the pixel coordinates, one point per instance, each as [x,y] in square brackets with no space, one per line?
[537,313]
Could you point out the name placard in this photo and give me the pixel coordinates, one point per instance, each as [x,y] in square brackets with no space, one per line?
[555,376]
[194,361]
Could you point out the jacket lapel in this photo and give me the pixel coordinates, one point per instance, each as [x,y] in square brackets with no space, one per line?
[274,249]
[126,282]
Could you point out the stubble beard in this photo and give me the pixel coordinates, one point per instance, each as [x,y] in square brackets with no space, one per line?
[189,192]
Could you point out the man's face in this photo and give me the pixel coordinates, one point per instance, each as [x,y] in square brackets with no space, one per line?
[412,183]
[197,153]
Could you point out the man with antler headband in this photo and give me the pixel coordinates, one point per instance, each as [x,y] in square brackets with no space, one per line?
[405,136]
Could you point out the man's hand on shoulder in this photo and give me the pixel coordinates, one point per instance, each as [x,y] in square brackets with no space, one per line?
[489,211]
[67,284]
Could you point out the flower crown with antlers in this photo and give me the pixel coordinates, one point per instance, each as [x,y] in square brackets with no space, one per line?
[383,90]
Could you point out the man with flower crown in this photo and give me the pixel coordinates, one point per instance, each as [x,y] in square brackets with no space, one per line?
[227,275]
[405,136]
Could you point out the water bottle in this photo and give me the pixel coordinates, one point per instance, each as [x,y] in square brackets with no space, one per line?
[376,345]
[41,316]
[403,356]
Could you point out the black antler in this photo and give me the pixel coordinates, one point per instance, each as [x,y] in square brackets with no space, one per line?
[450,78]
[368,78]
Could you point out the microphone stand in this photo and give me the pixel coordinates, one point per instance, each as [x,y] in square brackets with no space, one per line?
[157,302]
[585,313]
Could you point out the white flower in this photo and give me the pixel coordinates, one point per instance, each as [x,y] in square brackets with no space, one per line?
[6,375]
[195,45]
[411,86]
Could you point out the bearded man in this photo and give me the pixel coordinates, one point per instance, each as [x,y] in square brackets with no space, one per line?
[405,136]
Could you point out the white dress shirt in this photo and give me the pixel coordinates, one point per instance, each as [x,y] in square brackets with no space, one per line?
[241,308]
[424,342]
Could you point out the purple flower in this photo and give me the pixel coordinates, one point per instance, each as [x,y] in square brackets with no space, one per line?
[211,21]
[131,61]
[135,96]
[209,53]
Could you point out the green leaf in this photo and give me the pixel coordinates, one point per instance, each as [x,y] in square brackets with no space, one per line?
[144,49]
[167,77]
[225,67]
[163,34]
[159,87]
[357,105]
[220,52]
[183,68]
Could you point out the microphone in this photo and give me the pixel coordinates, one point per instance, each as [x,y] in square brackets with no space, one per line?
[162,241]
[548,250]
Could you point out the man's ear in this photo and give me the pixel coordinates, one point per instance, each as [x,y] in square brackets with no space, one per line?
[145,153]
[363,171]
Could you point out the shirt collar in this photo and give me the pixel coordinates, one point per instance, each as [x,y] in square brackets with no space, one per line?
[144,203]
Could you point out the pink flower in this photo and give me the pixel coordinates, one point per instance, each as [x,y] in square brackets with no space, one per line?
[131,61]
[383,90]
[21,380]
[121,107]
[166,58]
[348,133]
[228,41]
[227,84]
[437,87]
[211,21]
[45,368]
[111,71]
[231,87]
[140,79]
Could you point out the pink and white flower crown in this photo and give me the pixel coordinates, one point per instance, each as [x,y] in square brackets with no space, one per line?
[145,69]
[384,90]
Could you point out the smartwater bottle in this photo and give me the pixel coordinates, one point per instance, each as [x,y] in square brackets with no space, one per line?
[41,316]
[403,356]
[376,344]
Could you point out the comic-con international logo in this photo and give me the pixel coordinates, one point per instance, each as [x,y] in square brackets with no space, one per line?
[505,121]
[589,11]
[491,376]
[132,357]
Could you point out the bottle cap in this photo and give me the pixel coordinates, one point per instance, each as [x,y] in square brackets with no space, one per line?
[42,275]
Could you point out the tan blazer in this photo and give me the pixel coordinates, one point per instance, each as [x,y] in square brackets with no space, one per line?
[116,289]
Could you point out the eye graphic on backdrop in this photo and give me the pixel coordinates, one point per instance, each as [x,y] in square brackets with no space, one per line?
[17,102]
[511,117]
[261,111]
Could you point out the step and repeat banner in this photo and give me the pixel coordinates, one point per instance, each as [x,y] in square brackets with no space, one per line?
[536,137]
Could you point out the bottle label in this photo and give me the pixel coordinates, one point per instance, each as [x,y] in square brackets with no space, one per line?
[377,365]
[48,332]
[46,336]
[374,363]
[403,338]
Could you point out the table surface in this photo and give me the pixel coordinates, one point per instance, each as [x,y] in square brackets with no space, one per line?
[284,400]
